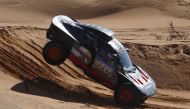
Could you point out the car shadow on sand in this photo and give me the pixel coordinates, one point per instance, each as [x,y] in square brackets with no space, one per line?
[43,87]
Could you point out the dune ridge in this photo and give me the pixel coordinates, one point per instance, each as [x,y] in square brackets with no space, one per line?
[40,11]
[141,25]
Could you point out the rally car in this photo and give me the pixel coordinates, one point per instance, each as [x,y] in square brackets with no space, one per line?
[96,50]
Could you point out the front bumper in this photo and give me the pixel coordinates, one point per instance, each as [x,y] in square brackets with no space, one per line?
[149,89]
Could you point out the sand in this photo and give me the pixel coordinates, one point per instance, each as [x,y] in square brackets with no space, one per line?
[142,26]
[143,17]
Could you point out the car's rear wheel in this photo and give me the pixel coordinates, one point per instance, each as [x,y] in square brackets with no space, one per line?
[54,53]
[126,95]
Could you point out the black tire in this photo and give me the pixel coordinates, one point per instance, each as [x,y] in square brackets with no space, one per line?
[54,53]
[126,95]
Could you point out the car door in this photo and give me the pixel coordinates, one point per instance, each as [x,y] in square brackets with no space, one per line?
[105,66]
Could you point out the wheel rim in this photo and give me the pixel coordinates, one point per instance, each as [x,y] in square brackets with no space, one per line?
[125,95]
[54,53]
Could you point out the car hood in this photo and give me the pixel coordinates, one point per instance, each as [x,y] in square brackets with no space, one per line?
[142,81]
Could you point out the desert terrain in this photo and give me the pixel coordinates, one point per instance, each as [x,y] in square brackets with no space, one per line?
[143,26]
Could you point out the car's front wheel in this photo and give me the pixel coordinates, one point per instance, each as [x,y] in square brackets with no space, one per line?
[126,95]
[54,53]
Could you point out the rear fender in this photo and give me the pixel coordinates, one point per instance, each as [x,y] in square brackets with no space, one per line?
[56,34]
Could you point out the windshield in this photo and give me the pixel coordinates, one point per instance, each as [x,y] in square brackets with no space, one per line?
[122,55]
[125,60]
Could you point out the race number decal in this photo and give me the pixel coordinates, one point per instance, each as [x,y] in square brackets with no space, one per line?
[106,71]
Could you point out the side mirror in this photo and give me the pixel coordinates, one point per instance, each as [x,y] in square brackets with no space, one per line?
[127,49]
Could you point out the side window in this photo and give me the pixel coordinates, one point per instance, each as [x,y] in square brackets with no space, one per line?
[100,44]
[106,51]
[89,40]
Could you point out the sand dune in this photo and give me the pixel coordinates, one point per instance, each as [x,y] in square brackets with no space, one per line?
[143,17]
[141,25]
[20,50]
[40,12]
[37,11]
